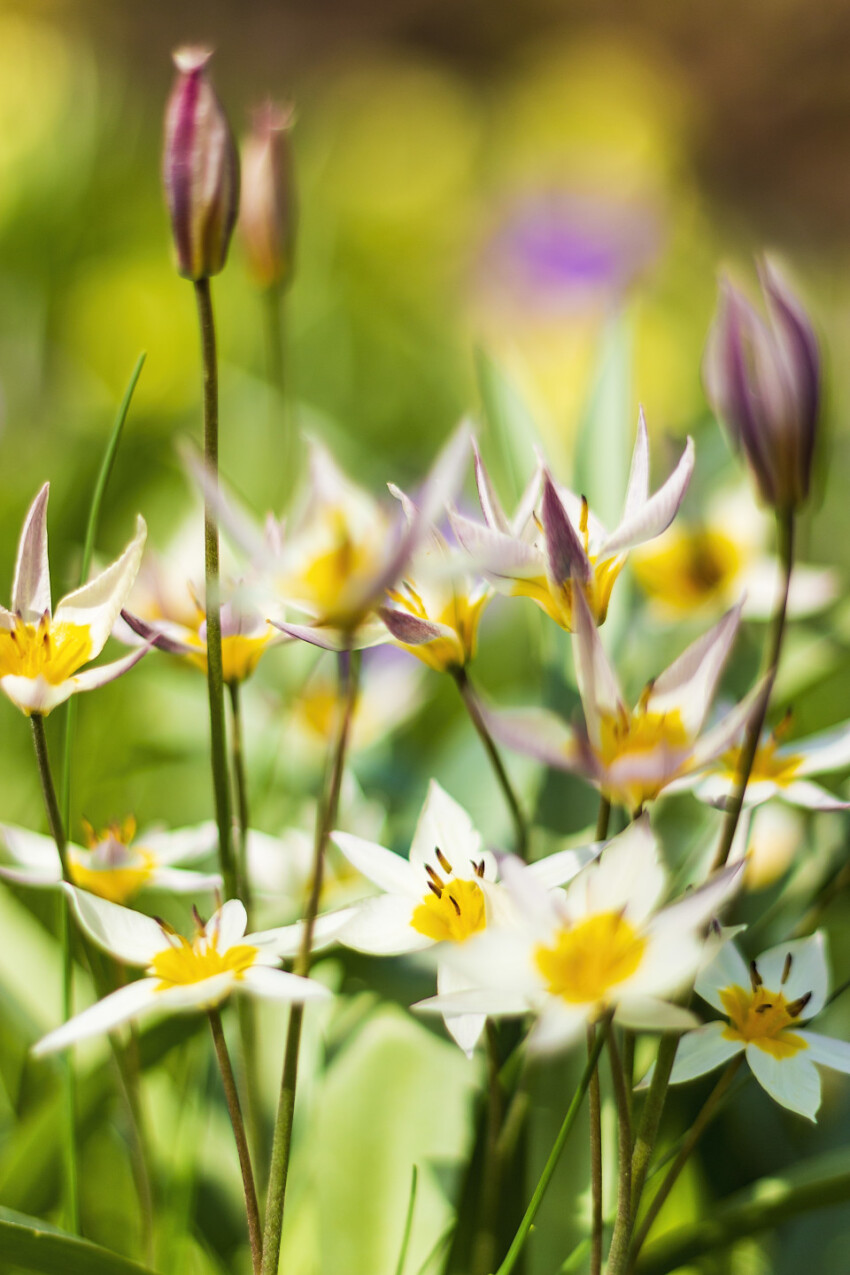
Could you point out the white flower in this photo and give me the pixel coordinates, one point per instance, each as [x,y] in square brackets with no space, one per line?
[765,1007]
[40,652]
[116,864]
[181,974]
[600,946]
[445,893]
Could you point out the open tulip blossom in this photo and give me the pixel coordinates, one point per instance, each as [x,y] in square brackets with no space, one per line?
[116,863]
[765,1006]
[42,651]
[546,555]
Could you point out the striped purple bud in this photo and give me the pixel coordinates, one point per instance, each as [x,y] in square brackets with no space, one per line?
[763,379]
[267,215]
[200,169]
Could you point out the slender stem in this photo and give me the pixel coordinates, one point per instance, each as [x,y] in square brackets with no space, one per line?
[551,1164]
[595,1107]
[235,1111]
[619,1253]
[473,708]
[484,1248]
[54,817]
[694,1134]
[650,1120]
[603,818]
[215,677]
[408,1222]
[773,649]
[349,667]
[237,757]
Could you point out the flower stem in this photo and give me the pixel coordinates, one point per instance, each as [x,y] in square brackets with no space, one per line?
[349,676]
[595,1107]
[484,1248]
[551,1164]
[215,678]
[470,700]
[694,1134]
[408,1222]
[235,1111]
[237,757]
[773,649]
[619,1252]
[650,1120]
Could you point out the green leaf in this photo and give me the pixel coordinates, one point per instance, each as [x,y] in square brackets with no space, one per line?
[814,1184]
[33,1245]
[606,434]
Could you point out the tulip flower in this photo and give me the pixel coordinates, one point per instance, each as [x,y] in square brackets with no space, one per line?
[765,1006]
[267,213]
[200,169]
[599,947]
[116,864]
[41,652]
[763,380]
[181,974]
[544,554]
[631,755]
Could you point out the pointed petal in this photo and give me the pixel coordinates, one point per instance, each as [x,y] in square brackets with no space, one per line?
[382,927]
[388,870]
[637,491]
[811,796]
[809,971]
[729,729]
[650,1014]
[822,753]
[444,823]
[31,587]
[335,639]
[98,604]
[285,940]
[498,555]
[128,1002]
[494,514]
[656,514]
[127,935]
[792,1082]
[698,907]
[409,629]
[702,1050]
[726,968]
[277,985]
[565,554]
[31,849]
[229,924]
[827,1051]
[155,636]
[489,1002]
[538,733]
[179,845]
[92,678]
[597,682]
[557,1027]
[628,876]
[35,878]
[560,867]
[183,881]
[688,685]
[465,1029]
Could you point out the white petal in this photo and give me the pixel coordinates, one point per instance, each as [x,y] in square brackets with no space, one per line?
[383,927]
[285,940]
[93,678]
[97,605]
[729,729]
[650,1014]
[186,997]
[792,1082]
[494,514]
[809,971]
[444,823]
[465,1029]
[169,848]
[557,1027]
[828,1052]
[489,1002]
[725,969]
[36,878]
[229,924]
[129,936]
[702,1050]
[656,514]
[561,867]
[597,682]
[183,881]
[119,1007]
[31,587]
[812,589]
[35,694]
[811,796]
[628,876]
[388,870]
[688,685]
[695,909]
[637,491]
[277,985]
[822,753]
[32,850]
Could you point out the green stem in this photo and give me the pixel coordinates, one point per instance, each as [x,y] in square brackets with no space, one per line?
[773,650]
[594,1098]
[618,1255]
[603,818]
[349,663]
[650,1119]
[484,1248]
[237,757]
[408,1222]
[235,1111]
[461,678]
[215,676]
[552,1163]
[694,1134]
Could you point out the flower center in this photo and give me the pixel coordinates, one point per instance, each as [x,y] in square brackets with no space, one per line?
[588,959]
[51,651]
[240,655]
[766,765]
[761,1017]
[452,910]
[184,962]
[692,568]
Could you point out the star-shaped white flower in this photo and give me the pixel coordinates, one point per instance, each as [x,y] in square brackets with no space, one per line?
[601,946]
[765,1006]
[117,864]
[180,974]
[445,893]
[41,652]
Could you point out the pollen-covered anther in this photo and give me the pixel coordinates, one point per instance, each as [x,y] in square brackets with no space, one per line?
[443,861]
[755,977]
[796,1007]
[786,969]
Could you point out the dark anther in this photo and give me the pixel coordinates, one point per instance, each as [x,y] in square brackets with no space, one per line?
[199,920]
[755,977]
[714,926]
[479,869]
[454,903]
[761,1009]
[435,889]
[796,1007]
[786,969]
[442,860]
[433,875]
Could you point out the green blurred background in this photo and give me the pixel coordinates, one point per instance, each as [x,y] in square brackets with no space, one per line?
[495,200]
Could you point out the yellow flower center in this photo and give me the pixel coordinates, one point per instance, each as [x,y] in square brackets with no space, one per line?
[184,962]
[557,600]
[451,911]
[459,614]
[762,1018]
[240,655]
[628,735]
[693,567]
[766,765]
[48,650]
[590,958]
[112,868]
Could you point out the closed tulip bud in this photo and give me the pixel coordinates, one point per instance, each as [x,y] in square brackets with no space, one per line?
[268,213]
[200,169]
[763,379]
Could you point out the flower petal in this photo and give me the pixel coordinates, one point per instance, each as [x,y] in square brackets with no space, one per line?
[651,1014]
[702,1050]
[811,796]
[389,871]
[627,876]
[538,733]
[559,868]
[826,1051]
[688,685]
[31,587]
[410,629]
[822,753]
[92,678]
[335,639]
[565,553]
[229,924]
[383,927]
[726,968]
[498,555]
[722,736]
[119,1007]
[637,491]
[179,845]
[792,1082]
[183,881]
[285,940]
[809,971]
[494,514]
[597,682]
[489,1002]
[656,514]
[465,1029]
[443,823]
[557,1027]
[271,984]
[32,850]
[129,936]
[97,604]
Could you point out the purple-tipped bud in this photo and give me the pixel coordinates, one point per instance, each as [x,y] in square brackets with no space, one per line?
[268,213]
[763,380]
[200,168]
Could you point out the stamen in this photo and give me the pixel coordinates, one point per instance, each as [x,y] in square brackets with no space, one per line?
[454,903]
[761,1009]
[715,926]
[443,861]
[796,1007]
[786,969]
[435,889]
[755,978]
[583,518]
[479,868]
[438,880]
[199,920]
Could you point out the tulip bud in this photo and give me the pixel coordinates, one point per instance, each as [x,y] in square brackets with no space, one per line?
[763,380]
[267,214]
[200,169]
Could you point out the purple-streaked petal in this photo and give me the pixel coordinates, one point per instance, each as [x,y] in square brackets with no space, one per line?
[410,629]
[151,634]
[335,639]
[656,514]
[565,553]
[597,682]
[687,686]
[494,514]
[537,733]
[499,555]
[31,587]
[104,1016]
